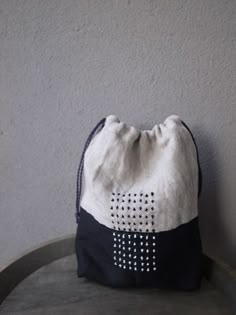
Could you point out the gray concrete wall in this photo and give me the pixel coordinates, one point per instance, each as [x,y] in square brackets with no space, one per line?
[65,64]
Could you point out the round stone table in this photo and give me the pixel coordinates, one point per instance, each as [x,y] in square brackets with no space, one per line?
[55,289]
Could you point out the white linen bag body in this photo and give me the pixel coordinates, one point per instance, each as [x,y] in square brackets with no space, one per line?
[137,213]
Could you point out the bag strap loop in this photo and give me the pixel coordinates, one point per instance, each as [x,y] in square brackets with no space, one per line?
[99,126]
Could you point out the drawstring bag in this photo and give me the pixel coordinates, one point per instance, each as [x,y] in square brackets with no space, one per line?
[137,213]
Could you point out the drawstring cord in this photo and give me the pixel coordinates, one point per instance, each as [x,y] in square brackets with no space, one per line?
[100,125]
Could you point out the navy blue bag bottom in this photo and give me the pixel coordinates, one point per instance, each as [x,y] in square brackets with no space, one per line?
[165,260]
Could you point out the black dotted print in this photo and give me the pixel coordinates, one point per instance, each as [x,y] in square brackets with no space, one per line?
[126,224]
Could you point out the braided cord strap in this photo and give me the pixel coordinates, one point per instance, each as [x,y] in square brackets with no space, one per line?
[97,128]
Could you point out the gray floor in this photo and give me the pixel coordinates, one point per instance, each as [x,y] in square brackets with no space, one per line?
[55,289]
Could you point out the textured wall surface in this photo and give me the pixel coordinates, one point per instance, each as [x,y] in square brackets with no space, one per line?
[66,64]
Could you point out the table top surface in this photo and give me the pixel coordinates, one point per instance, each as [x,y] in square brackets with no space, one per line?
[55,289]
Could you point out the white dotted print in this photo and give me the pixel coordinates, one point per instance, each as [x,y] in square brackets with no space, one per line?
[134,251]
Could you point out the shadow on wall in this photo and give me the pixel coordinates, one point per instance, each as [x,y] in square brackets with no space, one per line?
[213,229]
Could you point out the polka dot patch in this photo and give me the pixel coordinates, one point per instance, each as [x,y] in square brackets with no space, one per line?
[137,256]
[133,212]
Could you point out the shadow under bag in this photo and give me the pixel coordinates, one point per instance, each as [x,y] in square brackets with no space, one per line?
[137,213]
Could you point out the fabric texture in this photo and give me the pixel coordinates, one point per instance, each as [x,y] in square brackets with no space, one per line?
[139,207]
